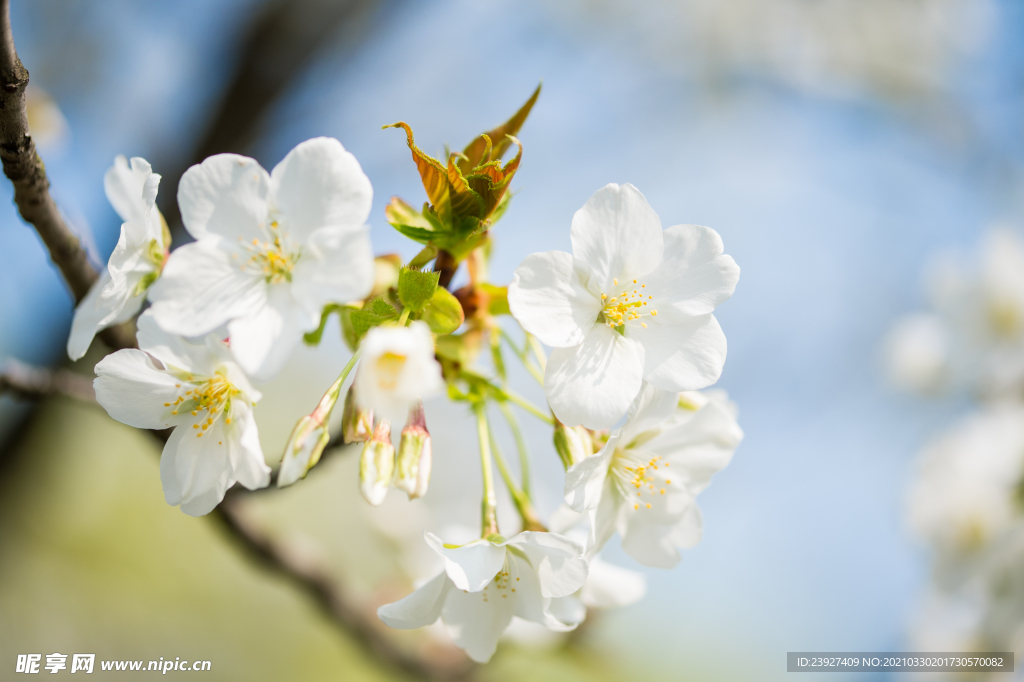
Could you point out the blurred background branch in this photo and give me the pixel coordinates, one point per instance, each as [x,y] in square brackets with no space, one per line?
[33,383]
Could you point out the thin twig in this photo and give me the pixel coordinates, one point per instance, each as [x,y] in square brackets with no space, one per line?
[32,383]
[27,173]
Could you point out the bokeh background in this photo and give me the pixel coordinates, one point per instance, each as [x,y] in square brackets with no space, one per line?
[834,144]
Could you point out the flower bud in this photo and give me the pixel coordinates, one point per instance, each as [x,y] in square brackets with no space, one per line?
[306,444]
[573,444]
[377,465]
[414,455]
[356,423]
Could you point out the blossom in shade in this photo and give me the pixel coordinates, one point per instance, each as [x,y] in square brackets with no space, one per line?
[631,303]
[197,389]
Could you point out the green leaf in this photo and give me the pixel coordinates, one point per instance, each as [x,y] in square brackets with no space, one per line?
[415,288]
[443,313]
[314,337]
[374,313]
[477,151]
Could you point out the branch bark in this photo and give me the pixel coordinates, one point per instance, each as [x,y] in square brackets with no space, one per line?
[33,383]
[26,171]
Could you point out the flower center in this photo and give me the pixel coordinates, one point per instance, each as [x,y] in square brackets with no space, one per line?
[1005,318]
[504,583]
[635,475]
[210,395]
[627,306]
[273,257]
[389,367]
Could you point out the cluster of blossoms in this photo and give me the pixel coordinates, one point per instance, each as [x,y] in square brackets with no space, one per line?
[966,501]
[628,316]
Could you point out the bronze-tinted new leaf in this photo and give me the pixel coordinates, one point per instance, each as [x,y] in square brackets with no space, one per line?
[477,152]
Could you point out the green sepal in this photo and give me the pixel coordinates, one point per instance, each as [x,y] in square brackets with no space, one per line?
[374,313]
[443,313]
[415,288]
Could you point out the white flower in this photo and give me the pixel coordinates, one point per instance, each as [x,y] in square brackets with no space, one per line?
[486,583]
[980,309]
[197,389]
[136,261]
[917,353]
[397,368]
[270,251]
[644,481]
[965,495]
[631,303]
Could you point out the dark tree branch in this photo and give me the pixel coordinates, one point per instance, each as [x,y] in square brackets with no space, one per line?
[283,38]
[26,171]
[33,383]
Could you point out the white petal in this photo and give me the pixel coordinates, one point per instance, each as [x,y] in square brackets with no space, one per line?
[594,383]
[649,543]
[175,351]
[585,481]
[336,267]
[557,560]
[652,408]
[201,288]
[131,189]
[701,446]
[419,609]
[548,298]
[618,235]
[475,620]
[88,319]
[694,276]
[609,586]
[133,390]
[262,341]
[565,613]
[319,184]
[196,471]
[225,195]
[687,532]
[471,566]
[248,465]
[603,520]
[681,352]
[530,602]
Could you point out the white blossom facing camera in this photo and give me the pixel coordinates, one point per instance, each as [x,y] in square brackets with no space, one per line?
[396,370]
[630,303]
[486,583]
[271,250]
[200,391]
[644,481]
[136,261]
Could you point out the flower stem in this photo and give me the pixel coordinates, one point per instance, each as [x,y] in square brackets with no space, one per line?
[488,506]
[404,319]
[423,257]
[519,497]
[335,390]
[524,454]
[523,355]
[528,406]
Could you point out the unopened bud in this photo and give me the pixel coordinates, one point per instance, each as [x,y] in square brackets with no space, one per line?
[573,444]
[377,465]
[306,444]
[414,455]
[356,423]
